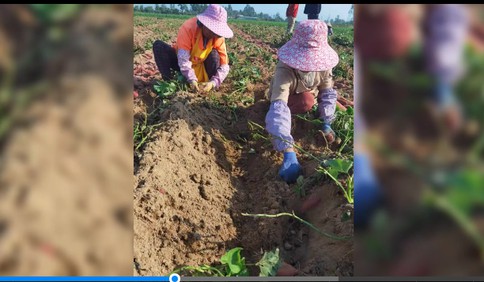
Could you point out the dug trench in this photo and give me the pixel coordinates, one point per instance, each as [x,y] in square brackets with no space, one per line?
[203,167]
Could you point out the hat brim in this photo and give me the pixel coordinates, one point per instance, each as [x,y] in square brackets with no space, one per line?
[308,59]
[219,28]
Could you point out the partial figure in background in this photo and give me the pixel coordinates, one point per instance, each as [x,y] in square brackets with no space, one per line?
[200,52]
[312,10]
[446,29]
[444,35]
[368,194]
[414,57]
[303,78]
[291,14]
[383,33]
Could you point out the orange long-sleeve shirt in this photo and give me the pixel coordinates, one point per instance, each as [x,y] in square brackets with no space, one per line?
[187,38]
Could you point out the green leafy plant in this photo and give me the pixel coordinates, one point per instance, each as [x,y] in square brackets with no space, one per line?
[269,263]
[333,169]
[233,59]
[232,264]
[343,126]
[300,183]
[56,13]
[141,133]
[337,166]
[456,192]
[165,88]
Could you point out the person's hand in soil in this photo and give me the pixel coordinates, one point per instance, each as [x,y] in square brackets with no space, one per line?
[452,119]
[194,86]
[206,87]
[368,196]
[447,106]
[327,103]
[290,169]
[328,133]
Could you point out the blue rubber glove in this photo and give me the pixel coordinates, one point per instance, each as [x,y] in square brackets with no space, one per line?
[443,95]
[368,196]
[290,169]
[328,132]
[448,106]
[327,128]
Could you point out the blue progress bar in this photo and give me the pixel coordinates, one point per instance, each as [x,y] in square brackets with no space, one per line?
[85,278]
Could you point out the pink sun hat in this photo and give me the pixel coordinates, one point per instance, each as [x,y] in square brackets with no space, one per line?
[308,49]
[215,18]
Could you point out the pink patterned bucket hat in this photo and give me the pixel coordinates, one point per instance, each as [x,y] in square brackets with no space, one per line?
[308,49]
[215,18]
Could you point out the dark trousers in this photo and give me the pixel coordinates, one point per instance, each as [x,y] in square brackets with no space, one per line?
[167,61]
[313,16]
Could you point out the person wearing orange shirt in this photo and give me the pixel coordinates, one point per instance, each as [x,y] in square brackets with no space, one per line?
[199,53]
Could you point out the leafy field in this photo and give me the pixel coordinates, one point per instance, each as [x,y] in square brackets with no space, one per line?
[207,197]
[431,176]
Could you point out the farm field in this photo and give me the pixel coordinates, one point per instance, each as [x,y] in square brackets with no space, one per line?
[206,177]
[430,173]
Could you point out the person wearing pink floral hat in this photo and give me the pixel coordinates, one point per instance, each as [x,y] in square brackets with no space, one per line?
[199,53]
[303,77]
